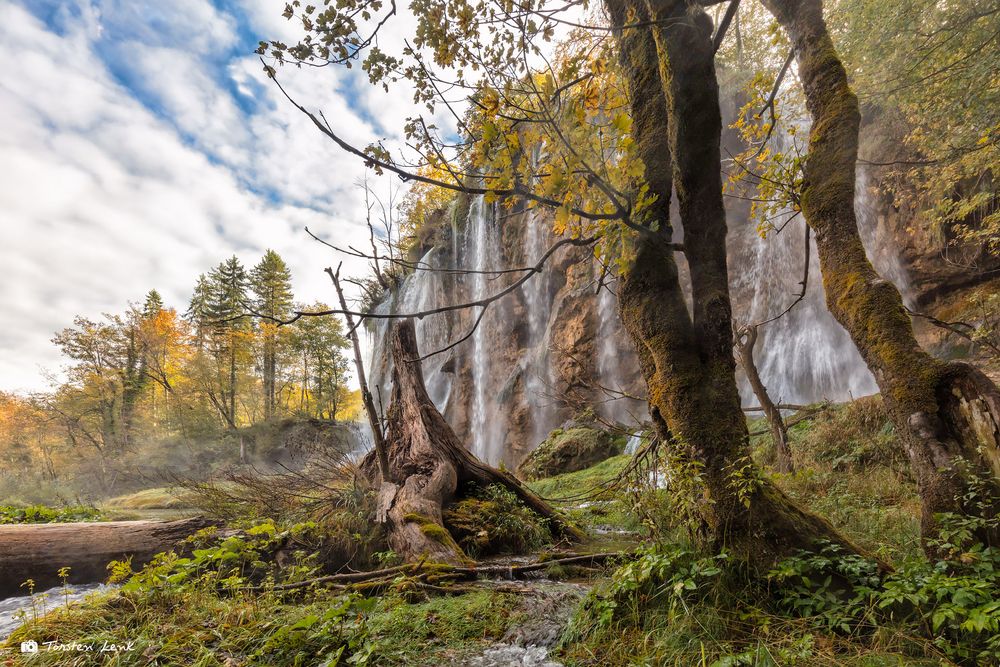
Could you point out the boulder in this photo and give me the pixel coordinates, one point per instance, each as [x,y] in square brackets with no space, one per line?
[569,450]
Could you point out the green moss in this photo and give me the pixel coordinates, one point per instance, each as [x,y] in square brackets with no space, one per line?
[569,450]
[436,533]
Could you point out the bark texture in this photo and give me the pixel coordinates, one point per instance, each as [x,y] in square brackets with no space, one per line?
[746,340]
[38,551]
[687,358]
[942,412]
[428,465]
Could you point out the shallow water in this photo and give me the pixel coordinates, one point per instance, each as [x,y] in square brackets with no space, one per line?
[45,601]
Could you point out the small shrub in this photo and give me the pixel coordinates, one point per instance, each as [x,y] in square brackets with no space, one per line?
[955,600]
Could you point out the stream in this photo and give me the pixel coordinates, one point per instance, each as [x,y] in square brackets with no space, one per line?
[548,605]
[11,609]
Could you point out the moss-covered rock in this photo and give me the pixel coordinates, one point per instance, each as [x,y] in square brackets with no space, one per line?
[570,450]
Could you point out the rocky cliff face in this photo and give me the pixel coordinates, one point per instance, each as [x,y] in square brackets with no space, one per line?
[540,355]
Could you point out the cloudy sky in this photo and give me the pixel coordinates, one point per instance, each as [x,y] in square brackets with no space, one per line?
[141,143]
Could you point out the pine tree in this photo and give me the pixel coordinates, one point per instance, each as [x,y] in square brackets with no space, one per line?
[226,304]
[271,283]
[153,304]
[198,309]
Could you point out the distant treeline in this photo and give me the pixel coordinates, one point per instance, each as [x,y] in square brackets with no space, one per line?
[150,375]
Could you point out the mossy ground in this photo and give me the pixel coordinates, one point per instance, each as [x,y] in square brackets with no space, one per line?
[584,496]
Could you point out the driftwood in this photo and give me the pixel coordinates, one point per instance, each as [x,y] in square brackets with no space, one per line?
[428,464]
[38,551]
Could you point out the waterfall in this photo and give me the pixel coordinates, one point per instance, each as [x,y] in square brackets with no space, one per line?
[419,291]
[805,356]
[482,250]
[613,406]
[500,389]
[538,378]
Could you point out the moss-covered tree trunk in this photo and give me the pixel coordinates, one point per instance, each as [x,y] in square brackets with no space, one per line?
[427,466]
[687,358]
[942,412]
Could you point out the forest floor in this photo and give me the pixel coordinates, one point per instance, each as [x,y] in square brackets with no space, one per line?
[671,606]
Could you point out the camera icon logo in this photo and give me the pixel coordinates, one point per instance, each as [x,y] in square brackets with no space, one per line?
[30,646]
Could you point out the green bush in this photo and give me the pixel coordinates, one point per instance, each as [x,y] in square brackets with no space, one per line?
[954,600]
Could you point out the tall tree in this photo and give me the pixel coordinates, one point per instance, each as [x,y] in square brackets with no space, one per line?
[947,415]
[227,308]
[320,345]
[198,310]
[271,282]
[687,356]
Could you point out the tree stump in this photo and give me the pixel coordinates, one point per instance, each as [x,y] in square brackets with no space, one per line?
[428,465]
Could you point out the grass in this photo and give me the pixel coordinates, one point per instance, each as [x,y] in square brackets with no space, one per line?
[850,468]
[201,628]
[150,499]
[578,494]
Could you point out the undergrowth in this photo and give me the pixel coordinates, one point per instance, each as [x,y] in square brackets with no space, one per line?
[494,521]
[223,604]
[44,514]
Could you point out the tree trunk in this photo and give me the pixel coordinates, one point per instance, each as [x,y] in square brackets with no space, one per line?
[232,380]
[942,412]
[269,372]
[428,465]
[37,551]
[687,358]
[746,339]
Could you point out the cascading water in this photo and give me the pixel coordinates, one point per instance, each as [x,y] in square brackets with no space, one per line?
[805,356]
[482,250]
[538,304]
[419,291]
[497,389]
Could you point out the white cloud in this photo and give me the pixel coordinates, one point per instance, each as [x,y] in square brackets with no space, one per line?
[101,199]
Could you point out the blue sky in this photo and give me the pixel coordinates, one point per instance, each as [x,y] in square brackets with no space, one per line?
[142,144]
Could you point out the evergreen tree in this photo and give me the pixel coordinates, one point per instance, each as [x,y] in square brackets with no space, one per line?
[197,312]
[320,343]
[271,283]
[227,302]
[153,304]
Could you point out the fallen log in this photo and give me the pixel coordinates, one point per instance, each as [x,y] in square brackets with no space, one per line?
[37,551]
